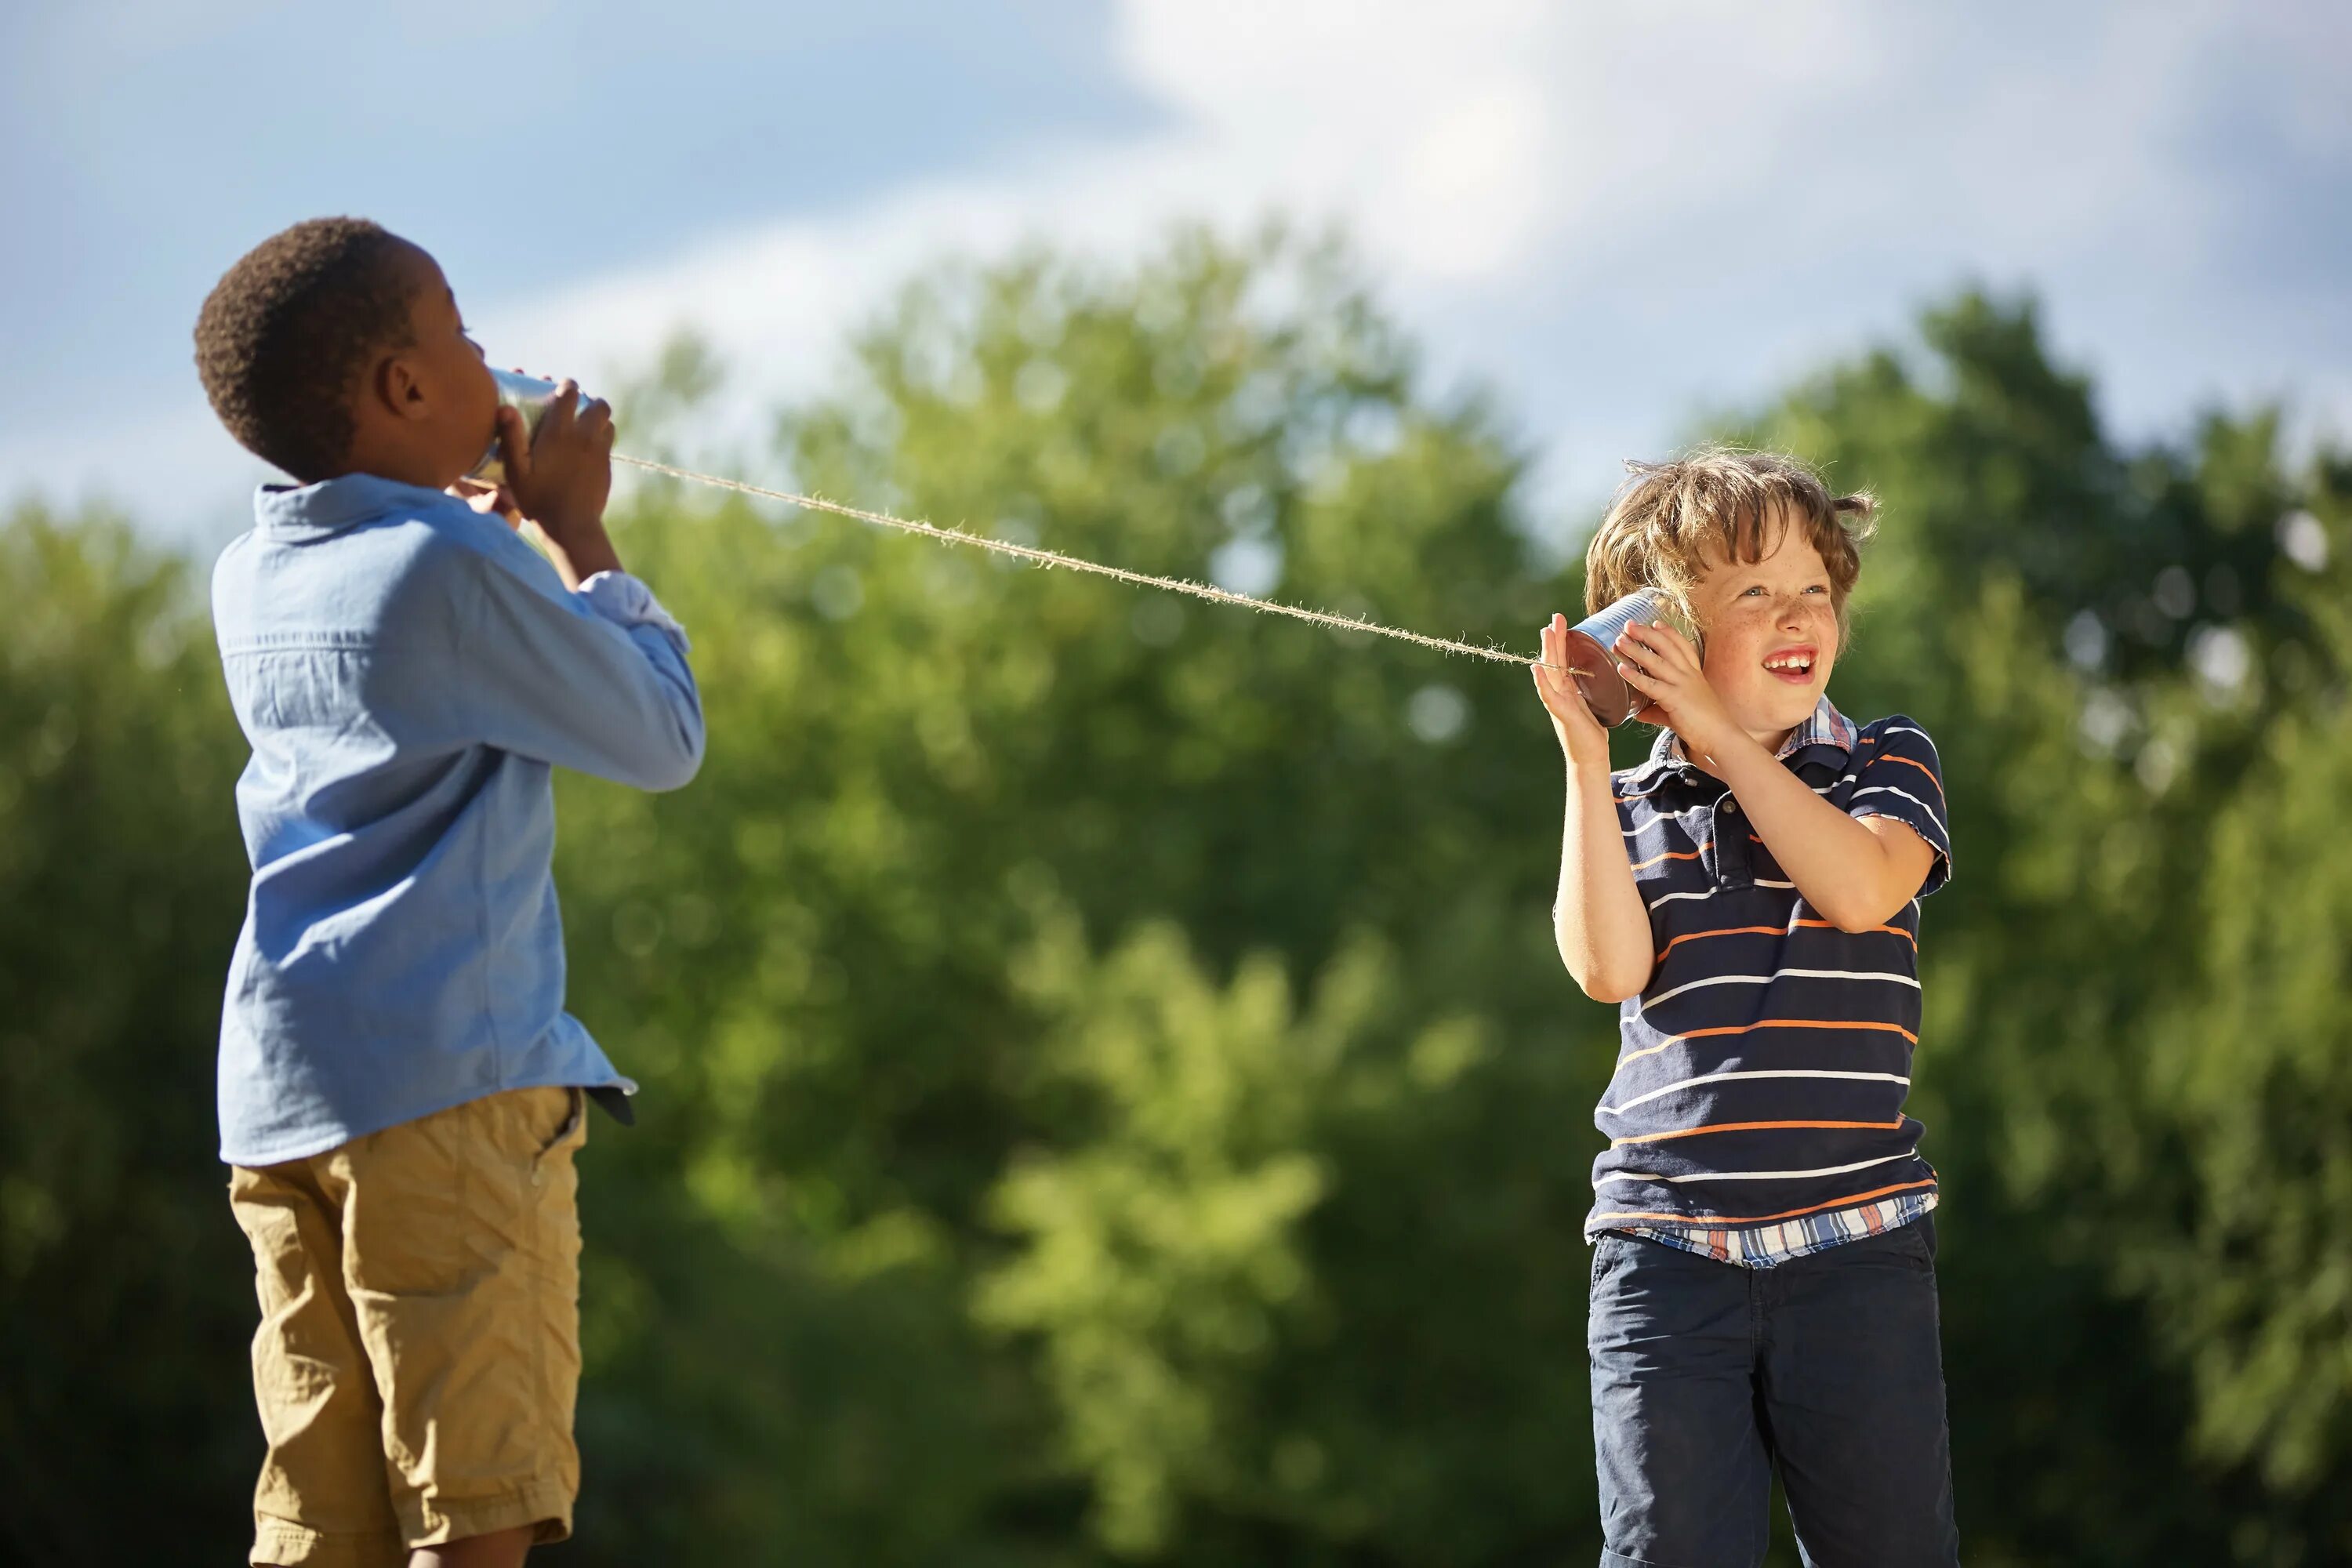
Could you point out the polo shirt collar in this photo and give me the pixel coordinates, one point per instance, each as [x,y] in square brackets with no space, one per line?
[1825,726]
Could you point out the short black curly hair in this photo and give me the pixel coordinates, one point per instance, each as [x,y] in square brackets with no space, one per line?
[287,331]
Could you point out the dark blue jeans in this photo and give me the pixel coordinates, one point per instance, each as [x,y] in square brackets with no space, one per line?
[1706,1376]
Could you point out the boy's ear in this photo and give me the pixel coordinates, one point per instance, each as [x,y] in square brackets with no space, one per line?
[394,387]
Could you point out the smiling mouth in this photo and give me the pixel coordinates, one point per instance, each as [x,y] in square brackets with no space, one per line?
[1794,666]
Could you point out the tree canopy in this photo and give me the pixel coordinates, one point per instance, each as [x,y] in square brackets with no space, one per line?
[1109,1094]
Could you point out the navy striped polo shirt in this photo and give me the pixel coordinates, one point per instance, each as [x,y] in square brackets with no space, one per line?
[1762,1072]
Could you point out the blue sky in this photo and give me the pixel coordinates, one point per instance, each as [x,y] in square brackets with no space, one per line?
[1613,216]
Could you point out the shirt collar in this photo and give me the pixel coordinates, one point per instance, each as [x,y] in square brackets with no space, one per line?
[1825,726]
[332,505]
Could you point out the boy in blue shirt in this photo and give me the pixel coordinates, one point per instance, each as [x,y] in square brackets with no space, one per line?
[1763,1278]
[401,1091]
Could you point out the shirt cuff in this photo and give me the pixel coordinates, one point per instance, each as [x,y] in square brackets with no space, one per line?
[627,602]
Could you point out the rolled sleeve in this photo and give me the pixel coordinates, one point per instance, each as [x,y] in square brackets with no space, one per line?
[1902,777]
[627,602]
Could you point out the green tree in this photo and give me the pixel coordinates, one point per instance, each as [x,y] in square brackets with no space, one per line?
[125,1289]
[925,764]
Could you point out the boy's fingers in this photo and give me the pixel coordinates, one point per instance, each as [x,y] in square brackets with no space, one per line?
[514,444]
[1656,651]
[562,409]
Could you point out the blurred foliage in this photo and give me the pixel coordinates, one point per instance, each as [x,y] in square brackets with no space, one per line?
[1108,1093]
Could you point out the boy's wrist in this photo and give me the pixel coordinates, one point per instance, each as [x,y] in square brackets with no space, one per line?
[1583,772]
[579,552]
[1736,753]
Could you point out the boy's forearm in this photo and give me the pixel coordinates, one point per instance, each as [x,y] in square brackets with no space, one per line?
[1598,922]
[1843,869]
[579,552]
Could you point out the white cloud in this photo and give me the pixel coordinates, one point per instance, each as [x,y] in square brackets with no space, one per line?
[1615,213]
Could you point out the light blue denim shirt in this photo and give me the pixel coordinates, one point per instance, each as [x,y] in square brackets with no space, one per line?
[409,672]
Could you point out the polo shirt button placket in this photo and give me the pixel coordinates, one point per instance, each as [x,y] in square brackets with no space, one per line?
[1730,846]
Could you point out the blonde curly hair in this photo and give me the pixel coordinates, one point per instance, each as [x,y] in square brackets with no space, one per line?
[1667,518]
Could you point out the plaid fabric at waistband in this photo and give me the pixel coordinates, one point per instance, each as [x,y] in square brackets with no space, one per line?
[1766,1245]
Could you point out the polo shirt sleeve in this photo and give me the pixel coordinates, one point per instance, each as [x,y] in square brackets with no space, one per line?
[1900,776]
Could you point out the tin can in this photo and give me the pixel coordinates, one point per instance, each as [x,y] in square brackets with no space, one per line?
[1592,660]
[531,395]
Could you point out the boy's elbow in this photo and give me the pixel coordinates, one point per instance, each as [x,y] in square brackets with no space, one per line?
[671,776]
[673,764]
[1603,984]
[678,770]
[1854,917]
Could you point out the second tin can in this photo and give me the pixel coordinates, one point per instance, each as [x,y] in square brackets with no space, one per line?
[531,395]
[1592,659]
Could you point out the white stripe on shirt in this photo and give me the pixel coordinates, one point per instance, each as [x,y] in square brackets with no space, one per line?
[1749,1175]
[1708,893]
[1768,979]
[1724,1077]
[1667,817]
[1907,794]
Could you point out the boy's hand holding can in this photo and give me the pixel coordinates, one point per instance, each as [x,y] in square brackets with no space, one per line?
[1580,734]
[560,474]
[1664,671]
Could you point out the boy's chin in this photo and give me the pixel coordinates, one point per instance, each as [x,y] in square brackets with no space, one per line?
[1785,708]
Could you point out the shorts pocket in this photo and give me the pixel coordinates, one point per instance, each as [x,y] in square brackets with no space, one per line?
[572,1132]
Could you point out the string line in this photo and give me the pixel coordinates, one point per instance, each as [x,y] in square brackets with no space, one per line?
[1052,558]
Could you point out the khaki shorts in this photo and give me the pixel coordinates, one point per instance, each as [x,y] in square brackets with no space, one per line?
[419,1349]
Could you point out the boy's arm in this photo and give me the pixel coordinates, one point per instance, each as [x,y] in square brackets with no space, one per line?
[596,681]
[1598,922]
[1857,871]
[588,673]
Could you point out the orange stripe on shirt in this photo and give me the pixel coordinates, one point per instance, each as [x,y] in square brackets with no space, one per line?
[1768,1024]
[1726,931]
[1767,1218]
[1831,925]
[1801,1023]
[1890,757]
[1893,1126]
[1650,1050]
[1676,855]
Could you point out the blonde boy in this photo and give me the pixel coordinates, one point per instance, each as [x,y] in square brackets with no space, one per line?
[1763,1284]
